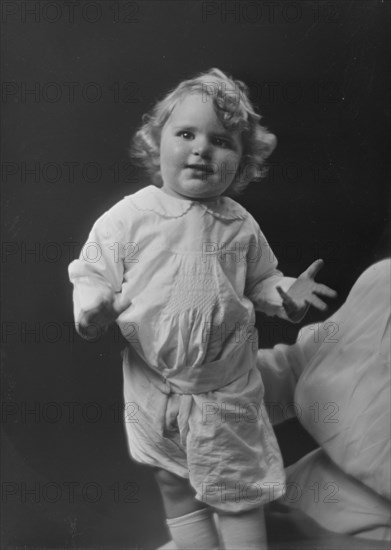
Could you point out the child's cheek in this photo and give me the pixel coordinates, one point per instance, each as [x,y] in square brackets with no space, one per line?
[179,153]
[232,161]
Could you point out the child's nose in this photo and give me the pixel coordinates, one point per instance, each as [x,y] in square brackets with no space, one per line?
[201,146]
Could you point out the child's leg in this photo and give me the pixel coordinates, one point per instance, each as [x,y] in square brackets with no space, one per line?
[190,523]
[177,493]
[244,531]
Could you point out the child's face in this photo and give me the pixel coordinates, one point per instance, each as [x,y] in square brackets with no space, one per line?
[198,156]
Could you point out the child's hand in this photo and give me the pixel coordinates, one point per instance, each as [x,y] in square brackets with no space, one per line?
[96,320]
[303,293]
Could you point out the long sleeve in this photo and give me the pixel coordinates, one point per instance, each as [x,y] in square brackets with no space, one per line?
[263,277]
[282,366]
[99,269]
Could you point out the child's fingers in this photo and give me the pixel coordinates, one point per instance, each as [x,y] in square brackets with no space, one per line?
[285,297]
[313,269]
[91,324]
[293,311]
[325,290]
[316,302]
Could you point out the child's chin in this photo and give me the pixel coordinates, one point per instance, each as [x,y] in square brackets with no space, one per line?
[197,189]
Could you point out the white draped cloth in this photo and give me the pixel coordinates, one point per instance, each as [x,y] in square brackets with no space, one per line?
[336,379]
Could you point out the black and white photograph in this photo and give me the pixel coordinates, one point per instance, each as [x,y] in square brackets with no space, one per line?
[196,275]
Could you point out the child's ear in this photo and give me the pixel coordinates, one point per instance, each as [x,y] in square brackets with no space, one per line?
[266,142]
[270,142]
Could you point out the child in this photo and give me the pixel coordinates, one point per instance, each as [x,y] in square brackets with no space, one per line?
[180,269]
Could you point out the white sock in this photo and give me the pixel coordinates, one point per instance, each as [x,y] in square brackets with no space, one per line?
[196,530]
[245,531]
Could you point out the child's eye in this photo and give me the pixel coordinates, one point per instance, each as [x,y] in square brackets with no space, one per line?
[186,134]
[221,142]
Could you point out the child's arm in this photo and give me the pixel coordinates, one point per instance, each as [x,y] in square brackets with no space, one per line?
[263,277]
[94,319]
[275,294]
[97,278]
[305,292]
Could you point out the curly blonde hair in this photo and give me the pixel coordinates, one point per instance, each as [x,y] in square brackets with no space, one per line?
[235,111]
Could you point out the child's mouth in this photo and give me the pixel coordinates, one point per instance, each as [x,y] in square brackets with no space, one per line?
[202,168]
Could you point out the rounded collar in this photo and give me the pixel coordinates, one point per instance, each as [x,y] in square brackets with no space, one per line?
[153,199]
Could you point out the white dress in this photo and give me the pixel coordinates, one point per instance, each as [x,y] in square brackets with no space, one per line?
[193,395]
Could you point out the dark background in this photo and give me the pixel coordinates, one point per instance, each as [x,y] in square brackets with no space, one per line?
[318,72]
